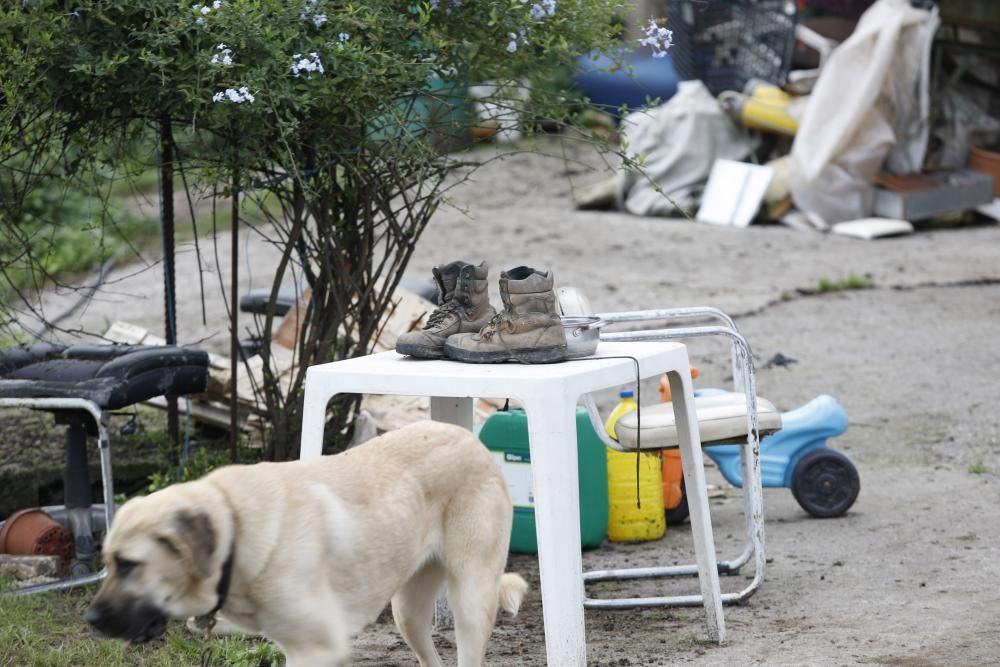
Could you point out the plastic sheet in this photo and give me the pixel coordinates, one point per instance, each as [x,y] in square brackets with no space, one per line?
[870,110]
[680,141]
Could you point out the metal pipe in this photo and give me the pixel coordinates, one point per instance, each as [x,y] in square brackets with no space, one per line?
[689,312]
[743,378]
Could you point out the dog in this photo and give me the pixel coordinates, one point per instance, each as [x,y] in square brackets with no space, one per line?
[307,553]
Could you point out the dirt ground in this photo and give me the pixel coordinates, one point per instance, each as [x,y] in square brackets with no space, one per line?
[909,576]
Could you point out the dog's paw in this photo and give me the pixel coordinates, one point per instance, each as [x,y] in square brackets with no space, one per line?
[197,625]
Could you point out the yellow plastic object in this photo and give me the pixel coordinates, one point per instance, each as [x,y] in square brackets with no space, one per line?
[629,520]
[764,108]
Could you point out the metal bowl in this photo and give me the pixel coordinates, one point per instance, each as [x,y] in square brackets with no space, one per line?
[582,335]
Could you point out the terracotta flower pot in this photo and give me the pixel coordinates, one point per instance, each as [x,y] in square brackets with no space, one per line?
[32,532]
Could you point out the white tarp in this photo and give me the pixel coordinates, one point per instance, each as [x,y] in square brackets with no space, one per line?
[869,111]
[680,141]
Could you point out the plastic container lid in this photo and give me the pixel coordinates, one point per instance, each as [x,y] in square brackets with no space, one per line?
[628,393]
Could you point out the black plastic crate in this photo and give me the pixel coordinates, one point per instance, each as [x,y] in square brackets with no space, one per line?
[725,43]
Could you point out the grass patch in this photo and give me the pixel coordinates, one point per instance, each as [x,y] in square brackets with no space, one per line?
[978,468]
[48,631]
[850,282]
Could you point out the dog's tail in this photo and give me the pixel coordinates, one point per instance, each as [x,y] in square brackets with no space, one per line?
[512,590]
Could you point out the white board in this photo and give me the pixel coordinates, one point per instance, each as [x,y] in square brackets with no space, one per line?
[734,193]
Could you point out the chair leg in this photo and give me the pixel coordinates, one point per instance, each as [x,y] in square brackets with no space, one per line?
[754,547]
[107,479]
[76,489]
[60,585]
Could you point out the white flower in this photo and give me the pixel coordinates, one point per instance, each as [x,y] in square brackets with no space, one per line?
[319,20]
[308,64]
[344,37]
[658,39]
[537,12]
[235,96]
[200,21]
[205,11]
[217,4]
[512,44]
[224,56]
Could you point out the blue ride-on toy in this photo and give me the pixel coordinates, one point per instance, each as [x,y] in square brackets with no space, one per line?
[823,481]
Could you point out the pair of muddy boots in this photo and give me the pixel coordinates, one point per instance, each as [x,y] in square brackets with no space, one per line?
[465,326]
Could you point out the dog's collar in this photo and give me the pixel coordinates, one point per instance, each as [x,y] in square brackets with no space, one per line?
[222,590]
[207,621]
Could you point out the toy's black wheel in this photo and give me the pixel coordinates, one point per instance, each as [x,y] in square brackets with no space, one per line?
[825,483]
[679,513]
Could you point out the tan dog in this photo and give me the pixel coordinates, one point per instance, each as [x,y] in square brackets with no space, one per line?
[309,552]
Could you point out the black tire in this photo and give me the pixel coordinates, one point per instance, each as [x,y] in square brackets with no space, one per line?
[679,514]
[825,483]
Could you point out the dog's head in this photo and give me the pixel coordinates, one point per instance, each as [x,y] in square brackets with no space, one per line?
[161,560]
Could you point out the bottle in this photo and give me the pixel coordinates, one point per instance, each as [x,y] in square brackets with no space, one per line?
[632,519]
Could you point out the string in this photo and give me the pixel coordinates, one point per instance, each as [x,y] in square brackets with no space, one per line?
[638,417]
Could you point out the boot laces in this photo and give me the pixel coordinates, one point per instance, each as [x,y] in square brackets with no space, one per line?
[441,313]
[503,318]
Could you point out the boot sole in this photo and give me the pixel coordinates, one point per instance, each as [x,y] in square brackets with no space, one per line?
[531,355]
[420,351]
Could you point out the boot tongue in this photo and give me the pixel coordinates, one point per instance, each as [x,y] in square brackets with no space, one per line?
[446,277]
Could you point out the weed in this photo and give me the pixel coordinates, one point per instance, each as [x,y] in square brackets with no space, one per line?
[978,468]
[852,281]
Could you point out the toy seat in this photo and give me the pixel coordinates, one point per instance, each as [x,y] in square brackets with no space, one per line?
[722,417]
[80,383]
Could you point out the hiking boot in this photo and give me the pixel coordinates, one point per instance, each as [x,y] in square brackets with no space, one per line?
[465,307]
[528,330]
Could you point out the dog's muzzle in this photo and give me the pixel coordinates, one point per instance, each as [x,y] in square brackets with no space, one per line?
[134,621]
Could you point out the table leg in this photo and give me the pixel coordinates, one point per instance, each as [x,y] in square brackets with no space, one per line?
[692,461]
[314,401]
[552,441]
[451,410]
[458,411]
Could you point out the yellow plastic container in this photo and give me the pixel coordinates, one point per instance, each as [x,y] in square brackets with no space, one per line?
[761,107]
[632,519]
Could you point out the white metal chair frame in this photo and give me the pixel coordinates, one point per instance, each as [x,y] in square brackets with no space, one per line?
[104,448]
[753,506]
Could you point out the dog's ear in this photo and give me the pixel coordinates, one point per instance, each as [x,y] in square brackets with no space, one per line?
[192,539]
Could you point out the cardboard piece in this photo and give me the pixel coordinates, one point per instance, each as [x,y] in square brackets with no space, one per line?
[991,210]
[872,228]
[734,193]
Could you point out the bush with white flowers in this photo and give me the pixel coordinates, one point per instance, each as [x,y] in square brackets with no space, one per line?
[329,114]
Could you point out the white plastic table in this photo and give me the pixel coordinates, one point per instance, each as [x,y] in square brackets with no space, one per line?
[549,394]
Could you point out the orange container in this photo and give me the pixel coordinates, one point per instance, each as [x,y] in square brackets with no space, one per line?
[673,474]
[987,162]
